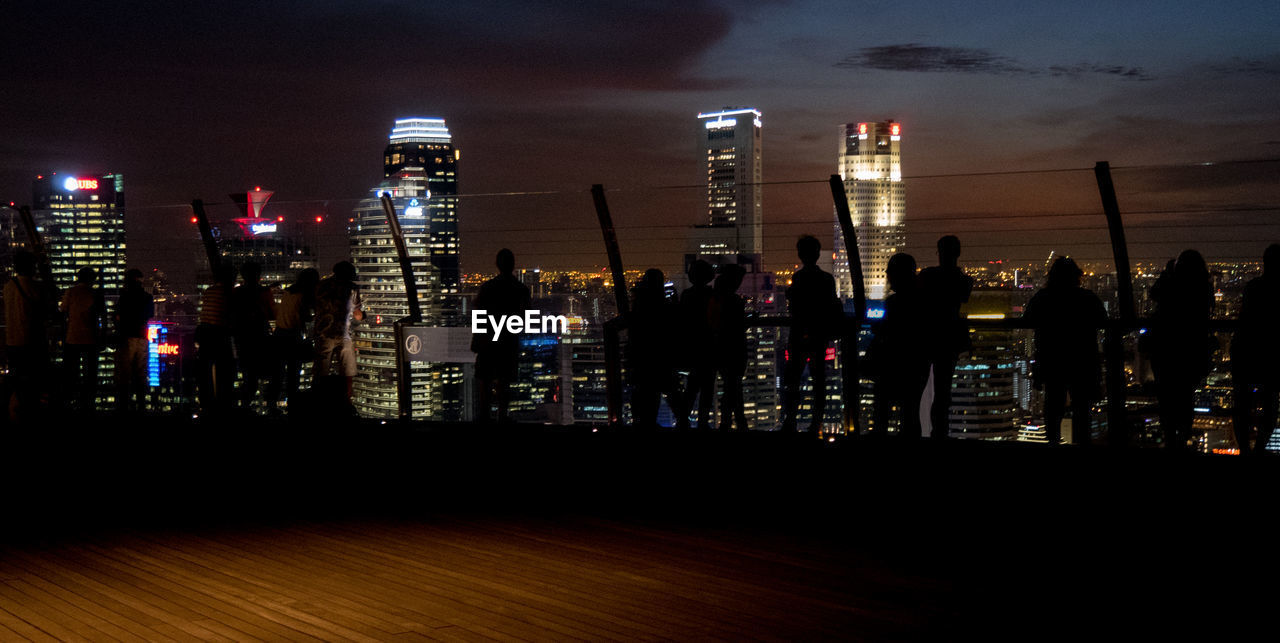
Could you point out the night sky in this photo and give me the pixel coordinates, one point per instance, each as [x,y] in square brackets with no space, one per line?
[202,99]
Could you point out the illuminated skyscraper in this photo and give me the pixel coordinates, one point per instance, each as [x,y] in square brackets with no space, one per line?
[420,164]
[83,221]
[871,166]
[729,142]
[82,218]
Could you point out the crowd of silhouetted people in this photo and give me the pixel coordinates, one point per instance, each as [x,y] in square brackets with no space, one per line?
[252,340]
[678,345]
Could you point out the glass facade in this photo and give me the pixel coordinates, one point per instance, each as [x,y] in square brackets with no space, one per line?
[420,164]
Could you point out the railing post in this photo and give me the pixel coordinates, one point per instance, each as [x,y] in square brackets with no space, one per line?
[1118,430]
[852,327]
[404,373]
[612,348]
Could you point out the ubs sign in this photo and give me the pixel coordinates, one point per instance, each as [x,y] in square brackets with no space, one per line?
[71,184]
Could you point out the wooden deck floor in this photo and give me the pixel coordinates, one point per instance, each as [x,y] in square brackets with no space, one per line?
[263,532]
[455,579]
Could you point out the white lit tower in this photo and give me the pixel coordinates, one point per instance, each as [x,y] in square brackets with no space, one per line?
[730,152]
[420,166]
[871,166]
[729,145]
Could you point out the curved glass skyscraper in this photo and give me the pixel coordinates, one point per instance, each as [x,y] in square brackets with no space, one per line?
[420,166]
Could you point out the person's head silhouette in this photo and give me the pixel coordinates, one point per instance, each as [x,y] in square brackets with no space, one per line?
[901,272]
[133,276]
[1271,259]
[86,275]
[1064,273]
[1191,267]
[309,278]
[949,250]
[730,278]
[225,275]
[251,272]
[506,261]
[653,279]
[808,248]
[701,273]
[344,271]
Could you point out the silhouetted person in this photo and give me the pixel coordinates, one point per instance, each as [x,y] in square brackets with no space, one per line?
[897,352]
[133,311]
[86,310]
[1066,319]
[337,307]
[27,306]
[650,363]
[252,310]
[697,353]
[498,359]
[945,288]
[216,359]
[815,318]
[728,320]
[1180,343]
[290,341]
[1255,355]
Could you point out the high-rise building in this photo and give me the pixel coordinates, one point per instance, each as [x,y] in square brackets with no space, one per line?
[420,165]
[870,164]
[82,219]
[729,144]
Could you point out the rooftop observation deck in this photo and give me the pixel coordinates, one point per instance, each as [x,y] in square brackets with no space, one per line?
[270,531]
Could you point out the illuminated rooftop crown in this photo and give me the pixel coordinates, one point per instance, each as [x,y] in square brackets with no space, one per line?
[420,130]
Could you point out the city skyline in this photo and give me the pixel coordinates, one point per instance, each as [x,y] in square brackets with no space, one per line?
[981,90]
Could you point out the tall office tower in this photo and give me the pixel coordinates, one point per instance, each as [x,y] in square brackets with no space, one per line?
[420,164]
[729,144]
[82,218]
[871,167]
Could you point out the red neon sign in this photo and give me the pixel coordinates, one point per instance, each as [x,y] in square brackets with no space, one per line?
[862,128]
[87,184]
[895,129]
[166,349]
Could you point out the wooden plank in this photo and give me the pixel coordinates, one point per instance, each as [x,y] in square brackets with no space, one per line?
[48,620]
[121,598]
[598,591]
[23,630]
[392,598]
[190,601]
[311,591]
[73,610]
[213,584]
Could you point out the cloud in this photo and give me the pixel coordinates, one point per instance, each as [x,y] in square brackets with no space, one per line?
[915,57]
[1247,67]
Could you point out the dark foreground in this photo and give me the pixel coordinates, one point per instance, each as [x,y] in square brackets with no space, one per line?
[266,531]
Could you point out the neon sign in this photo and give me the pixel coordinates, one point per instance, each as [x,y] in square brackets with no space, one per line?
[414,209]
[72,184]
[262,228]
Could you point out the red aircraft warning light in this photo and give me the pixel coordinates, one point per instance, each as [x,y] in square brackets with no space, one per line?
[319,219]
